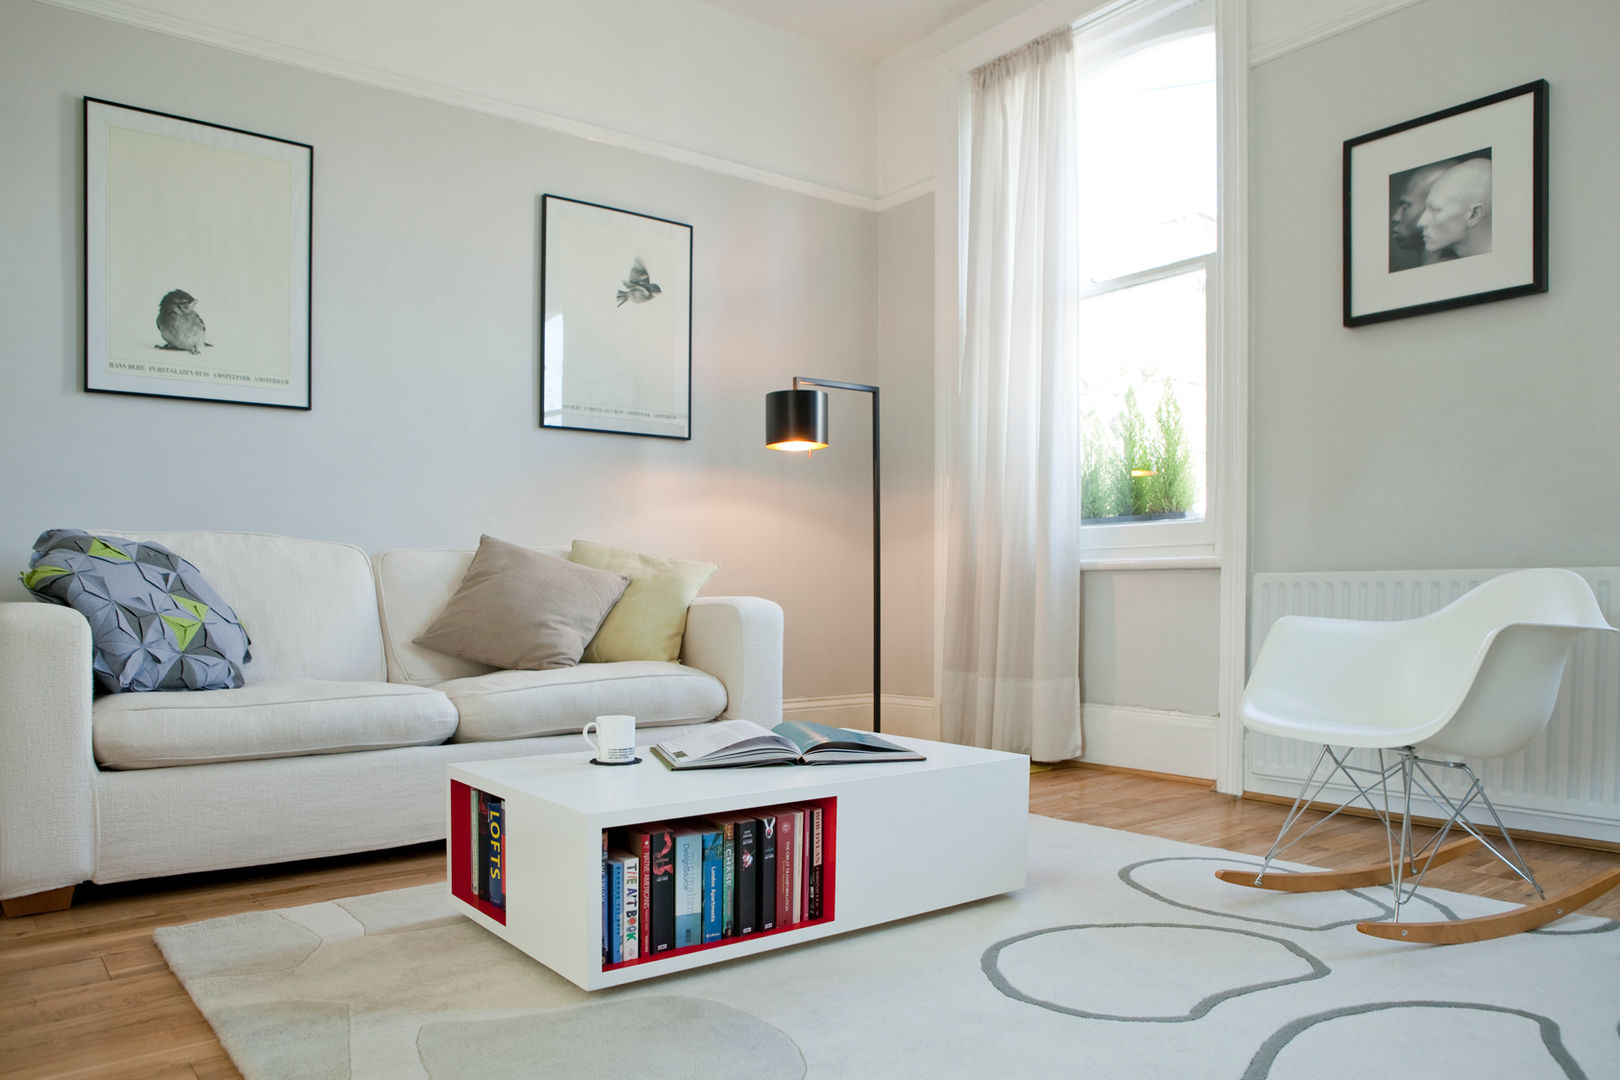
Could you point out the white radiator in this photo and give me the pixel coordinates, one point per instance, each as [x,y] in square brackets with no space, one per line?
[1566,782]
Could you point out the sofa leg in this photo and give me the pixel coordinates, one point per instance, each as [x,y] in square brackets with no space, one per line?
[39,903]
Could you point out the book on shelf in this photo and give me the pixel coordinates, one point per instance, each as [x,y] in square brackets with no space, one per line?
[489,848]
[767,870]
[747,875]
[613,932]
[788,821]
[735,743]
[813,898]
[688,886]
[714,858]
[495,830]
[630,903]
[607,880]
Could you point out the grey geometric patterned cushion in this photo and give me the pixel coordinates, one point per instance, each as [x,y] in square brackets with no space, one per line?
[154,622]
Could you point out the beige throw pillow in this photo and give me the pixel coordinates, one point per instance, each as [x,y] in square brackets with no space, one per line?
[523,609]
[649,620]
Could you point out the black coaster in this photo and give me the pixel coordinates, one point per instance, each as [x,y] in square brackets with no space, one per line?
[614,764]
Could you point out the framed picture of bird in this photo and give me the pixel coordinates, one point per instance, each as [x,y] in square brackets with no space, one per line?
[1447,210]
[616,329]
[197,259]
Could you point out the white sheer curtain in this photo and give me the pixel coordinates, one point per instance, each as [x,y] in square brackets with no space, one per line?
[1012,593]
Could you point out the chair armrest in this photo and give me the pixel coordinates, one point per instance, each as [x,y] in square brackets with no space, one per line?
[738,640]
[47,766]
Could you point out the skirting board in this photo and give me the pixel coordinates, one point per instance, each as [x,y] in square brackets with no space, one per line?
[1130,737]
[1153,740]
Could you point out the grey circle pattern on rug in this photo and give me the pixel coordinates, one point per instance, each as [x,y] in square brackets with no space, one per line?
[1051,967]
[1265,1058]
[1128,874]
[617,1038]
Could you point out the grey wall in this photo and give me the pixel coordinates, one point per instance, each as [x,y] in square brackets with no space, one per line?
[1480,437]
[1151,638]
[906,374]
[424,430]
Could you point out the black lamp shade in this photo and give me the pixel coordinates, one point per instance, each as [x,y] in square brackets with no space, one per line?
[796,419]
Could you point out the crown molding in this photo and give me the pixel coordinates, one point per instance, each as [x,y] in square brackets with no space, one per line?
[906,194]
[1358,15]
[250,45]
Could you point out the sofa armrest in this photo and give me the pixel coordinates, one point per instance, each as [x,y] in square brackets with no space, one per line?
[47,766]
[738,640]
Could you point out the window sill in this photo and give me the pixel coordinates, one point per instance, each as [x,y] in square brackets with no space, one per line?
[1151,562]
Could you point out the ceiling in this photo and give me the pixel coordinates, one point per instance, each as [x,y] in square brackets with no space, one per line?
[875,29]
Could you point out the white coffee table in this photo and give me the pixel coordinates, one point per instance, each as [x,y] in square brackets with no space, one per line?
[904,838]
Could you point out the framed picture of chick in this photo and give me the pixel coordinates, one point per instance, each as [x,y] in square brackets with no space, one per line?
[1447,210]
[197,259]
[616,330]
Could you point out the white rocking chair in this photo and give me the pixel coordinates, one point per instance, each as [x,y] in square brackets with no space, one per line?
[1476,679]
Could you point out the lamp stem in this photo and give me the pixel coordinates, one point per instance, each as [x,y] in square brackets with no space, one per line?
[799,382]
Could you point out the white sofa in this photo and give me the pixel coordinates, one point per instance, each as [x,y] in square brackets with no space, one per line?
[337,742]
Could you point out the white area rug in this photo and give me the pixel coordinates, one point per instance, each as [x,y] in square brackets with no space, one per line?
[1122,958]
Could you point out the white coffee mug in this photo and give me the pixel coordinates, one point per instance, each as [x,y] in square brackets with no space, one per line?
[615,742]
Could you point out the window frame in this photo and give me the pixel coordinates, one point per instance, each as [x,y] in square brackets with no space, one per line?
[1183,542]
[1228,508]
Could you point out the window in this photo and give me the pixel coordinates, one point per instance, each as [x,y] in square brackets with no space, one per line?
[1146,308]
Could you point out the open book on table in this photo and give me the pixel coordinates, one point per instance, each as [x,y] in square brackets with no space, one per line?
[796,742]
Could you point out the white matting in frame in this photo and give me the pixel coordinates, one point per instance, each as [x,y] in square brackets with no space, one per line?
[1447,210]
[197,259]
[616,340]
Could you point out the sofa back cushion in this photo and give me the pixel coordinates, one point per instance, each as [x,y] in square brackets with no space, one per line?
[413,586]
[309,606]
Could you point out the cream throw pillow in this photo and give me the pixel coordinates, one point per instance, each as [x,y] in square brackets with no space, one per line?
[649,620]
[523,609]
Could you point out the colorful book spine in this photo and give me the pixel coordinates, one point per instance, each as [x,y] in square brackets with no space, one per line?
[747,876]
[482,875]
[637,840]
[714,858]
[615,909]
[786,848]
[728,880]
[814,900]
[688,887]
[495,850]
[767,871]
[476,851]
[630,931]
[607,881]
[661,897]
[801,861]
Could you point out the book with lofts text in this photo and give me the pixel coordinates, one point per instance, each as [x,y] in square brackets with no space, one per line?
[734,743]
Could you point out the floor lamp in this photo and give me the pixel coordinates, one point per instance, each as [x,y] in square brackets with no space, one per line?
[796,419]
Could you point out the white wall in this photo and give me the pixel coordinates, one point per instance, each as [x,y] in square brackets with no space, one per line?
[424,430]
[681,73]
[1479,437]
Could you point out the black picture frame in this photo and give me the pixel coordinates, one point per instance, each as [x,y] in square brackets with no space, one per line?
[173,206]
[1447,210]
[616,320]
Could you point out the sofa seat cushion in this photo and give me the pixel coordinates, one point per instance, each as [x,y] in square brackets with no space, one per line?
[288,718]
[520,704]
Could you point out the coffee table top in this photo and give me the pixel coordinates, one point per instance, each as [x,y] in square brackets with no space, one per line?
[653,791]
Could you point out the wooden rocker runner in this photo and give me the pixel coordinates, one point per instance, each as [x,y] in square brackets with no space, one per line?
[1475,679]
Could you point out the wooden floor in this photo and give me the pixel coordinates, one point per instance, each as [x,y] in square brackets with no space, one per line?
[85,993]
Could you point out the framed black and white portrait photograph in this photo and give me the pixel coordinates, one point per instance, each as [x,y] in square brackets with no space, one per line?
[616,330]
[1447,210]
[197,259]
